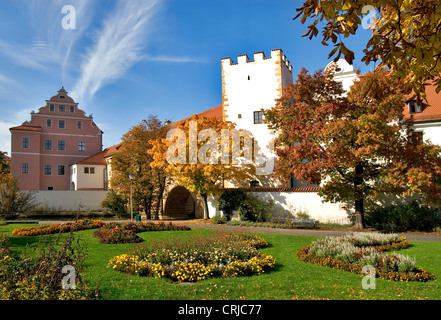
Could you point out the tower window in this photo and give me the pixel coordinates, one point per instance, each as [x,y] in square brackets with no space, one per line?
[258,117]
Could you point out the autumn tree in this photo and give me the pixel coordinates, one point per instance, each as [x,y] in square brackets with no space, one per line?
[356,147]
[200,154]
[406,35]
[13,201]
[132,158]
[5,166]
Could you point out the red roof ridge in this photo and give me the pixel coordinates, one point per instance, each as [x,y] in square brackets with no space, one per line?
[26,127]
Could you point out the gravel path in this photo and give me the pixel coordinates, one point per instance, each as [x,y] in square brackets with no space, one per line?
[304,232]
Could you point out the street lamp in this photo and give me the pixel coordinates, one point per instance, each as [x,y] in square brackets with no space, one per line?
[131,176]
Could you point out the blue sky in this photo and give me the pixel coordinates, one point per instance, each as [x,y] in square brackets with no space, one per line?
[127,59]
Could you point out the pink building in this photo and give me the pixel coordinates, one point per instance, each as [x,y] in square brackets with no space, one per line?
[58,135]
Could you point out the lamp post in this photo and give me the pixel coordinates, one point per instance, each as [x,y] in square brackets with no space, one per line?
[131,176]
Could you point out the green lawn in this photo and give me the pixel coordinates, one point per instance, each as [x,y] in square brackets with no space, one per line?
[290,279]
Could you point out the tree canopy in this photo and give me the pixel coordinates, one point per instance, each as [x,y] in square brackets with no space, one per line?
[406,35]
[194,154]
[356,146]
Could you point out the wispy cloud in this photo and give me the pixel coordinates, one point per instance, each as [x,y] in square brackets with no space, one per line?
[118,46]
[49,43]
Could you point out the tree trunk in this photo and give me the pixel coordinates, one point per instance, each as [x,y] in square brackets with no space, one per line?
[359,214]
[206,215]
[359,197]
[147,207]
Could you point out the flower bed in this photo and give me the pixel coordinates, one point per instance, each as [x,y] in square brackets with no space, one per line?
[226,254]
[58,228]
[114,232]
[354,251]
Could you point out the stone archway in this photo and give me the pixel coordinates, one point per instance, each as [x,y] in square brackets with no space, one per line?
[179,204]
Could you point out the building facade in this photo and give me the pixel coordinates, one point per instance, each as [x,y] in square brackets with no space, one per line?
[44,148]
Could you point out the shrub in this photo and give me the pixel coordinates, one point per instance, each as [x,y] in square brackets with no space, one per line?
[231,200]
[252,209]
[115,203]
[12,200]
[40,277]
[410,216]
[219,219]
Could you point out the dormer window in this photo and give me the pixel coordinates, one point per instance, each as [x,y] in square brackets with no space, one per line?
[414,107]
[62,97]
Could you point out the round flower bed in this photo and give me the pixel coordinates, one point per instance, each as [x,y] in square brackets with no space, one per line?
[224,254]
[58,228]
[356,250]
[114,232]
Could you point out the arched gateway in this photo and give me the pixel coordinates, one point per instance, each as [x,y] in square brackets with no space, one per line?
[179,204]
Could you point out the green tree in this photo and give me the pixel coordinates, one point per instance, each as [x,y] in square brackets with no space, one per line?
[115,203]
[231,200]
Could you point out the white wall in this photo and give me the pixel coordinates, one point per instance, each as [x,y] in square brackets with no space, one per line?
[88,180]
[69,200]
[287,202]
[432,131]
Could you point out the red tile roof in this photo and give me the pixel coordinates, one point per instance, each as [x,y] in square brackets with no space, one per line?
[215,112]
[431,109]
[100,157]
[26,128]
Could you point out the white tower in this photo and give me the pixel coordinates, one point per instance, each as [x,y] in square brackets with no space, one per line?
[344,73]
[251,85]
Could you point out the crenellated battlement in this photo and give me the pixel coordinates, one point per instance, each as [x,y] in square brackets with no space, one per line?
[276,54]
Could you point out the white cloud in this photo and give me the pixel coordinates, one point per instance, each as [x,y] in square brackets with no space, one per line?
[117,48]
[50,43]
